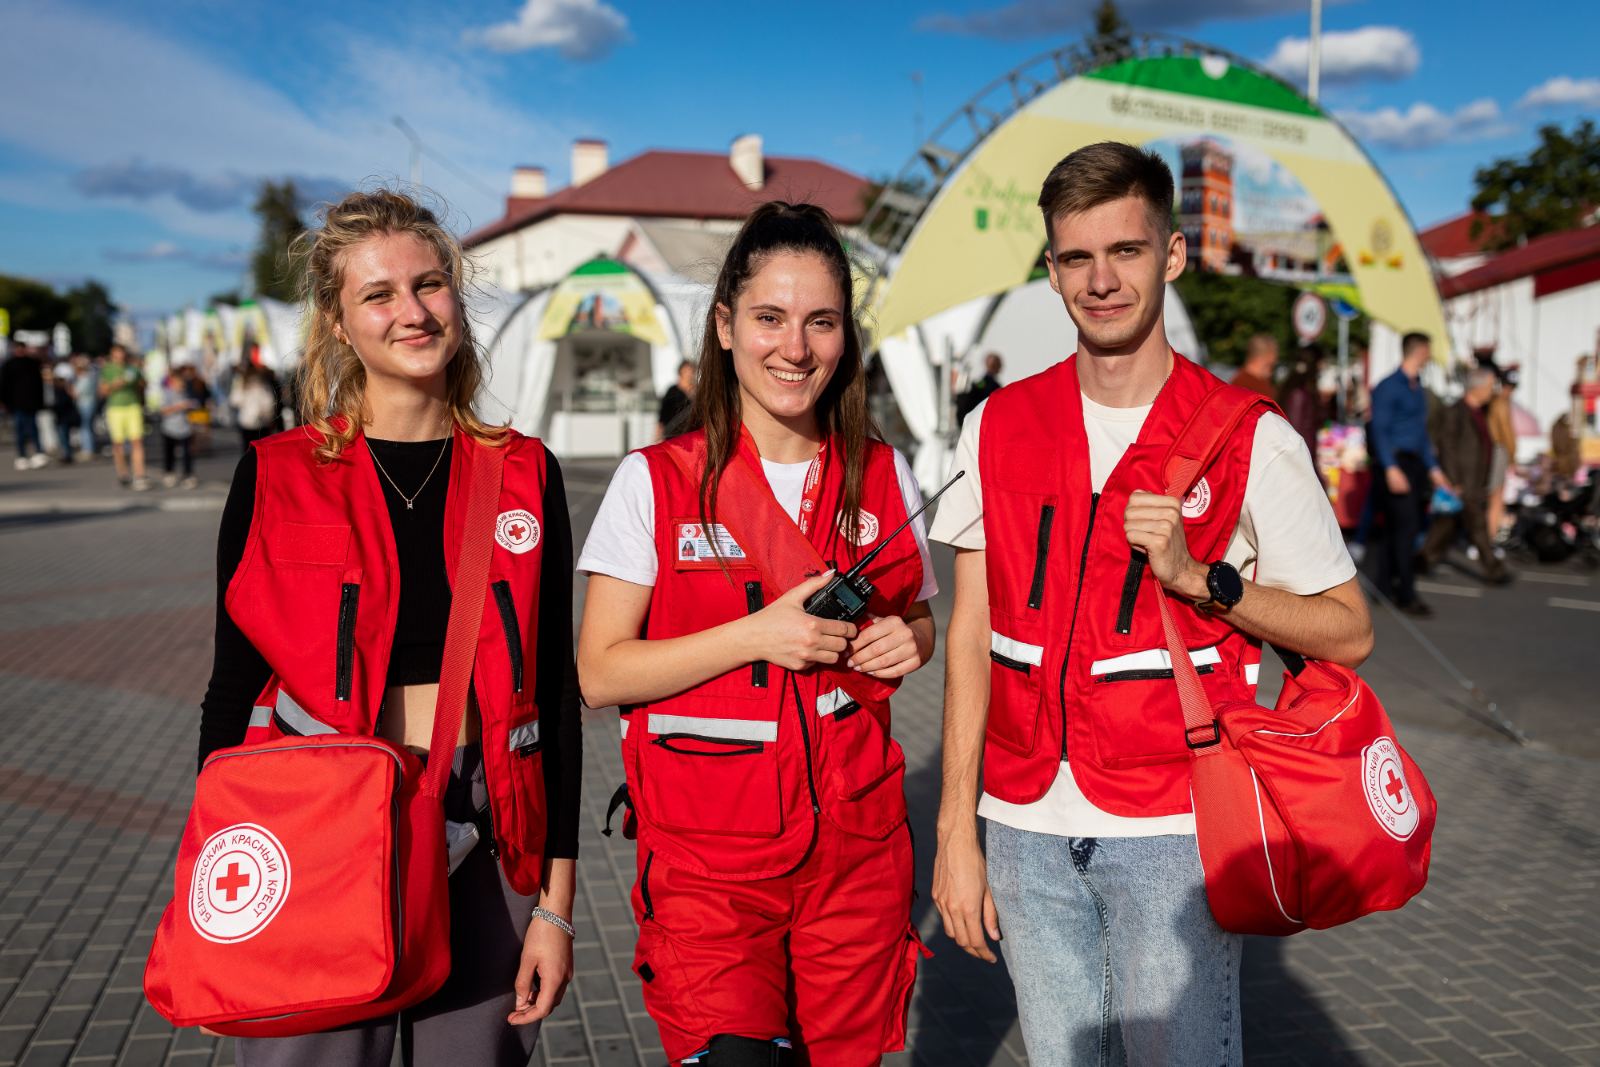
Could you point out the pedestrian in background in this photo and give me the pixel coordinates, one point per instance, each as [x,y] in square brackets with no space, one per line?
[1398,437]
[980,390]
[86,390]
[22,395]
[673,415]
[177,432]
[1503,434]
[255,404]
[1466,450]
[198,390]
[1260,360]
[122,389]
[64,406]
[1301,396]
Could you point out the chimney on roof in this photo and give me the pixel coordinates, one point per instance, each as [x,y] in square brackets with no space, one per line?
[529,183]
[744,156]
[589,160]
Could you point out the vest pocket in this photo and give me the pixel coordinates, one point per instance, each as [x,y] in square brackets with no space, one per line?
[508,622]
[1136,715]
[1016,668]
[514,763]
[867,767]
[344,656]
[710,774]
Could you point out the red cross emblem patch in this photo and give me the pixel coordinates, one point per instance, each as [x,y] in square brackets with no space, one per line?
[516,531]
[1384,783]
[240,882]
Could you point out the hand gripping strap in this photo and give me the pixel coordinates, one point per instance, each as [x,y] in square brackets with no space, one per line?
[1193,450]
[770,539]
[485,466]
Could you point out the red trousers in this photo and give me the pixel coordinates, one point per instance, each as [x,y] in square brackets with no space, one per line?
[825,956]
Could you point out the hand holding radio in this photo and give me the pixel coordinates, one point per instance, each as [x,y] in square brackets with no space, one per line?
[784,634]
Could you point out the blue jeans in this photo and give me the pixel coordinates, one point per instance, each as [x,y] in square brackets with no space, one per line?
[1113,951]
[27,427]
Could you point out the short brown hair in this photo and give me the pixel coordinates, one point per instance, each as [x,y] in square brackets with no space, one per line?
[1100,173]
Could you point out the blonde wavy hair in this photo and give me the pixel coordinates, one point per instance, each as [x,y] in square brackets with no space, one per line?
[332,380]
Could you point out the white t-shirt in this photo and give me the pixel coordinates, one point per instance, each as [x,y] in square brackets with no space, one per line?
[1287,538]
[622,539]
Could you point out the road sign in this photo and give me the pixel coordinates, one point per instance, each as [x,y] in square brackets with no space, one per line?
[1343,310]
[1310,316]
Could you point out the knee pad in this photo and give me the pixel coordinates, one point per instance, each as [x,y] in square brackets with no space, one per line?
[731,1050]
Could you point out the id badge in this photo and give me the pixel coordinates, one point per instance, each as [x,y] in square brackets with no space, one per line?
[695,549]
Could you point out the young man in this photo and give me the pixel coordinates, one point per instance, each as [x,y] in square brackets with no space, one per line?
[1058,682]
[1398,439]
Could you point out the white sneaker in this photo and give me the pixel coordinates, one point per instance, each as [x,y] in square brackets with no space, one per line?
[141,484]
[21,463]
[39,459]
[169,480]
[191,482]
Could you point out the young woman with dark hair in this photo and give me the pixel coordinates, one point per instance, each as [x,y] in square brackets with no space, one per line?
[335,562]
[774,864]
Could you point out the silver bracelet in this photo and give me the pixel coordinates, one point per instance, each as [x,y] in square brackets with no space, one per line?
[555,920]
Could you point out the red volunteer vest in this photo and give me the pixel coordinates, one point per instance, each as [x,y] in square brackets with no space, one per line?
[317,592]
[729,778]
[1079,667]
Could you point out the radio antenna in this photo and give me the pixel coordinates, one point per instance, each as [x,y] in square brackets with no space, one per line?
[856,571]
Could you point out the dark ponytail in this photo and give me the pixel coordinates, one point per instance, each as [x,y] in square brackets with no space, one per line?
[773,228]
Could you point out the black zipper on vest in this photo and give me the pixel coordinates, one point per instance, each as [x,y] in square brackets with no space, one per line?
[1041,555]
[811,777]
[1130,592]
[1147,674]
[753,604]
[508,619]
[732,746]
[1077,599]
[344,660]
[1006,661]
[644,887]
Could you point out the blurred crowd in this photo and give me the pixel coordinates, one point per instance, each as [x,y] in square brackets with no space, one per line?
[84,408]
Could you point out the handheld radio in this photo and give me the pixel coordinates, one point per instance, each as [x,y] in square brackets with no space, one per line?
[844,599]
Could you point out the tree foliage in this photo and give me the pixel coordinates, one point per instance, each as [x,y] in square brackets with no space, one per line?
[1113,37]
[1552,190]
[1228,310]
[278,208]
[33,305]
[90,314]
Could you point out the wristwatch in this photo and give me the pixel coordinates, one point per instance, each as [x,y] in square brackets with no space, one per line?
[1225,586]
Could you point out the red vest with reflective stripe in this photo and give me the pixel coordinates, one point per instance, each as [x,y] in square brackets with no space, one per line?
[1079,669]
[318,591]
[729,778]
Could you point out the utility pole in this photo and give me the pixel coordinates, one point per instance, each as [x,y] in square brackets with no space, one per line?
[416,149]
[1314,76]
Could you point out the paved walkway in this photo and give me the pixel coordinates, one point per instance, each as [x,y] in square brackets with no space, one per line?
[106,604]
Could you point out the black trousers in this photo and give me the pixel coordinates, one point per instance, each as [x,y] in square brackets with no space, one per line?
[1403,514]
[172,448]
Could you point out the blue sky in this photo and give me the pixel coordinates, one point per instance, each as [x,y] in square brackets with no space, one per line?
[132,134]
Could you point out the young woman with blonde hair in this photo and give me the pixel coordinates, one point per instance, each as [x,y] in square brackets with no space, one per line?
[335,557]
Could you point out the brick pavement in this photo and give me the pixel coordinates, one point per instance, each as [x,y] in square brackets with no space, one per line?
[104,651]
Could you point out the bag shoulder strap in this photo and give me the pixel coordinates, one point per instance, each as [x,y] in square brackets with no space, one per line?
[1199,442]
[485,468]
[773,544]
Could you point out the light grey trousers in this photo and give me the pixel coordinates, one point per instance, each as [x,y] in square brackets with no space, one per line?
[465,1021]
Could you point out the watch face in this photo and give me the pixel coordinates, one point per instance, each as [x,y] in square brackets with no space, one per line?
[1225,583]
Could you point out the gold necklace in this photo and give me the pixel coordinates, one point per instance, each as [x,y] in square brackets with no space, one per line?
[412,499]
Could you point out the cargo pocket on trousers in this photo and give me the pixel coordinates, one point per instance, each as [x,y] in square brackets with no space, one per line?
[667,997]
[905,981]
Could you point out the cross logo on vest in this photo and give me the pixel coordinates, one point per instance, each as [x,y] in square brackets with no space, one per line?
[517,531]
[866,530]
[1383,780]
[241,880]
[1198,502]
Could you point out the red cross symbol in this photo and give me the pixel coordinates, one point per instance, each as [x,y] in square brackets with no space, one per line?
[1395,787]
[232,882]
[516,531]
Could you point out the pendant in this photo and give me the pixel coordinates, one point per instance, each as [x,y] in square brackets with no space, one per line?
[408,505]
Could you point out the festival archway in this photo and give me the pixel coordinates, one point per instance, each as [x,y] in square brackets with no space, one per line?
[960,221]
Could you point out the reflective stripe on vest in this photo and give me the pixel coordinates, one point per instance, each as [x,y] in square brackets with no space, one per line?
[722,729]
[1012,649]
[1152,659]
[833,701]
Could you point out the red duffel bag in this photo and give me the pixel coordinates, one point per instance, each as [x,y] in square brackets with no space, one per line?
[1309,813]
[311,888]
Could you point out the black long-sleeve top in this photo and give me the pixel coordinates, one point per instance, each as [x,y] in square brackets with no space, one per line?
[239,672]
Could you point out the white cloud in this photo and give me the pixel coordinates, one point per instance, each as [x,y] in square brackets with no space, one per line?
[578,29]
[1424,126]
[101,92]
[1561,91]
[1382,53]
[231,260]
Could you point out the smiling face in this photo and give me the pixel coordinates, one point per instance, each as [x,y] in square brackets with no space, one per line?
[398,310]
[787,332]
[1111,263]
